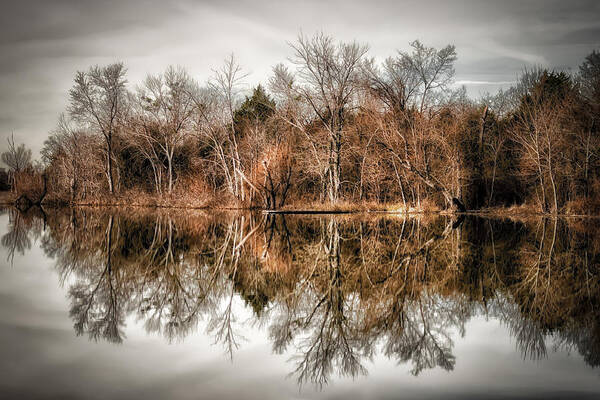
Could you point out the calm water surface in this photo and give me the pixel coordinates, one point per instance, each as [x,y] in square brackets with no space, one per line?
[104,304]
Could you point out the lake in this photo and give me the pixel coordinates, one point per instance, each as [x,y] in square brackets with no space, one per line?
[134,304]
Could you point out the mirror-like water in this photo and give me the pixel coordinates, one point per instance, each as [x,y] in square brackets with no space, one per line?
[124,304]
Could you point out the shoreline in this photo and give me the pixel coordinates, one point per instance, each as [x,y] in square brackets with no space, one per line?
[506,212]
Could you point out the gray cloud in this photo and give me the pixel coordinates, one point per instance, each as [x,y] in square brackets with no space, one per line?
[43,43]
[32,20]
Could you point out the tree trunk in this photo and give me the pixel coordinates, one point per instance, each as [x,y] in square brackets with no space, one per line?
[111,186]
[335,167]
[553,183]
[44,190]
[482,130]
[170,167]
[493,179]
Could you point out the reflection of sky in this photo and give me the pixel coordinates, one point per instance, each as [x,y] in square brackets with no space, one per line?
[40,357]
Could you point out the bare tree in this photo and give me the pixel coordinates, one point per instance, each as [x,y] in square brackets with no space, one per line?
[540,129]
[587,140]
[216,105]
[406,86]
[435,69]
[327,76]
[227,82]
[395,83]
[165,116]
[17,158]
[73,161]
[66,144]
[496,145]
[142,137]
[425,150]
[98,99]
[589,78]
[273,175]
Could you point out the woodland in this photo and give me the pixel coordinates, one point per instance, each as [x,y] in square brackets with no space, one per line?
[331,129]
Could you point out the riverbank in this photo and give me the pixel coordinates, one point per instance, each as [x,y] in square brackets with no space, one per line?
[299,207]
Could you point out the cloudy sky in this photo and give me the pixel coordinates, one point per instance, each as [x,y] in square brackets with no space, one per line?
[44,42]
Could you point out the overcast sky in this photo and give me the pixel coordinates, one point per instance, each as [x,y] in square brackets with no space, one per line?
[44,42]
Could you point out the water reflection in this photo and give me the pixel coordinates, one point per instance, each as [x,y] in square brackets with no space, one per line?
[21,228]
[332,291]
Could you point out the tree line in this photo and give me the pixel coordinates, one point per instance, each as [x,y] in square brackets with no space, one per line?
[330,126]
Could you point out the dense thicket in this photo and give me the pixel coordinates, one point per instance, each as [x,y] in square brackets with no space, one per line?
[332,125]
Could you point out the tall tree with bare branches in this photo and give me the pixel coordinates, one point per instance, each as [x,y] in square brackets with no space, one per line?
[326,79]
[165,115]
[216,105]
[17,158]
[98,99]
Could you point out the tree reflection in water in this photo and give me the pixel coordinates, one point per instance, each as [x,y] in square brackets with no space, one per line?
[21,228]
[333,291]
